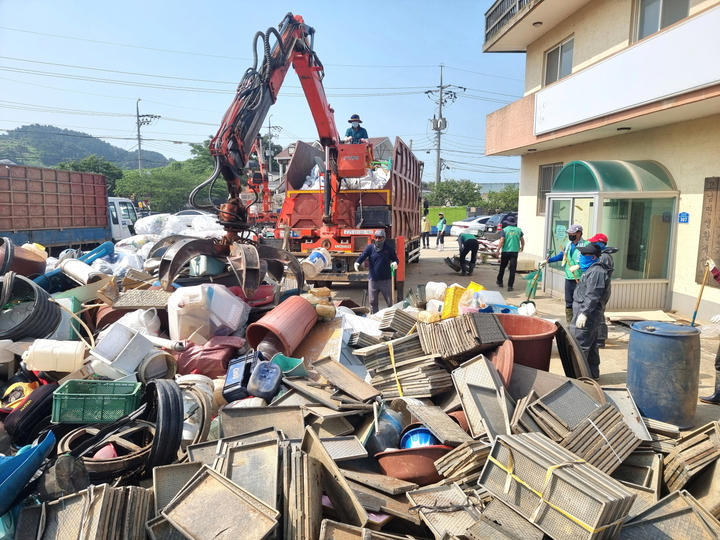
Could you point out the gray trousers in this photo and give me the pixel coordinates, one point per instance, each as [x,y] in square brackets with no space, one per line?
[588,337]
[375,287]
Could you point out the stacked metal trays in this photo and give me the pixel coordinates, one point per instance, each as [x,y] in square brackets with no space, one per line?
[565,497]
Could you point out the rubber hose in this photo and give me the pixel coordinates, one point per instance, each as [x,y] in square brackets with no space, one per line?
[44,316]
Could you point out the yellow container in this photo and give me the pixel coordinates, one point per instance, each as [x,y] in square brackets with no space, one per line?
[452,299]
[475,287]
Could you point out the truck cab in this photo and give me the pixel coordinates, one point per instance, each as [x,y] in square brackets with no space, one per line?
[121,218]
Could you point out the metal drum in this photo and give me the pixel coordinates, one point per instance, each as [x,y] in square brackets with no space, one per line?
[664,371]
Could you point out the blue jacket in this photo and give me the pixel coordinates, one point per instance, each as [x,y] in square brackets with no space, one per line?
[379,261]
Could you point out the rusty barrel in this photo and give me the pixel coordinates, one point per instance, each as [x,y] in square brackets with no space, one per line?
[663,371]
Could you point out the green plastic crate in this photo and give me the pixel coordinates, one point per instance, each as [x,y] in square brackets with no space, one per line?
[94,402]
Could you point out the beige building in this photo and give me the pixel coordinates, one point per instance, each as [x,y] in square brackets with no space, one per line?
[619,130]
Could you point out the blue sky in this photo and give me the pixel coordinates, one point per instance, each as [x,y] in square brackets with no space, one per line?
[83,65]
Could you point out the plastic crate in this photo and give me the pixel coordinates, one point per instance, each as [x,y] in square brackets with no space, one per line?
[452,299]
[94,402]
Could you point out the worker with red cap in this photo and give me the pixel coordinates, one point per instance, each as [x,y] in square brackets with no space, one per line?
[356,134]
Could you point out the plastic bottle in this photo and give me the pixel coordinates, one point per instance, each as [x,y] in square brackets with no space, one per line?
[390,424]
[270,346]
[265,381]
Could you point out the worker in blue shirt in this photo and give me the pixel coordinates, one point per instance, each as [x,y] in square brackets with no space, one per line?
[355,134]
[381,258]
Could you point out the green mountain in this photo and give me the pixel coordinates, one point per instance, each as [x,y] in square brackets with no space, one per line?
[45,146]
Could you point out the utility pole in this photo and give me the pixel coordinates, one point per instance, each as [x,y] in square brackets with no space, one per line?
[269,150]
[439,123]
[142,120]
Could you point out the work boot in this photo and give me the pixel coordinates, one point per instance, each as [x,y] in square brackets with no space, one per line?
[715,398]
[442,247]
[463,268]
[471,269]
[499,283]
[568,315]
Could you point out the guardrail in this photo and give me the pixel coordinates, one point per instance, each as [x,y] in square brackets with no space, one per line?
[499,14]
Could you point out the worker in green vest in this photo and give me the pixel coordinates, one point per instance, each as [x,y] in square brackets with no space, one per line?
[570,257]
[468,244]
[510,246]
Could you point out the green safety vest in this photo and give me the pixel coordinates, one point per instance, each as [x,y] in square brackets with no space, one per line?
[572,259]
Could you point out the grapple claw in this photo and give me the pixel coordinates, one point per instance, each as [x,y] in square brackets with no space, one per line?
[181,252]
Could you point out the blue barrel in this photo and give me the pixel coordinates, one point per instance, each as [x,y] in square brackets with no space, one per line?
[664,371]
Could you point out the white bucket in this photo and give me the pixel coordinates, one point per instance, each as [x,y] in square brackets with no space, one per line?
[157,365]
[316,262]
[53,355]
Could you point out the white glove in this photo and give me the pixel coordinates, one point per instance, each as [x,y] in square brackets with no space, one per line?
[574,268]
[715,319]
[581,321]
[348,139]
[542,263]
[393,265]
[357,267]
[710,263]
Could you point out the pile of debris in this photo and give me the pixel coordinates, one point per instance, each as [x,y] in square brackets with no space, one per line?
[206,413]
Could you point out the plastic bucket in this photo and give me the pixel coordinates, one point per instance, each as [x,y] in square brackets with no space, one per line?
[289,322]
[52,355]
[291,367]
[316,262]
[531,337]
[663,371]
[157,365]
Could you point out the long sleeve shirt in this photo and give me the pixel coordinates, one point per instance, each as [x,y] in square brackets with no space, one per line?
[379,261]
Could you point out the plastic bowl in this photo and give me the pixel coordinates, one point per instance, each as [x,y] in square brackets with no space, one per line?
[413,464]
[418,437]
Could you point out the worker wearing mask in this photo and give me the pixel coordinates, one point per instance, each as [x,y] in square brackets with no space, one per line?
[715,398]
[467,244]
[381,260]
[590,296]
[606,257]
[425,232]
[440,238]
[355,134]
[569,255]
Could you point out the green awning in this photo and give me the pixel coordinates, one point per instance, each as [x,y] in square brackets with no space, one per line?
[590,176]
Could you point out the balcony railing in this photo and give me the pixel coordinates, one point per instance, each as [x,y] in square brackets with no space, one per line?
[499,14]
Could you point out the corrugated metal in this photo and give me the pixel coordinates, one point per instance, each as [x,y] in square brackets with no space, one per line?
[626,294]
[638,294]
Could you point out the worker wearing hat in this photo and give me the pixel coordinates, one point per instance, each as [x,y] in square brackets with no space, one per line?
[355,134]
[589,300]
[382,259]
[569,256]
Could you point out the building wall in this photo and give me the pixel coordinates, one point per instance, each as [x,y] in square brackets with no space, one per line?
[601,28]
[689,150]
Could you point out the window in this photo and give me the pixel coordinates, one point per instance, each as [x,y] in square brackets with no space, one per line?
[113,214]
[559,61]
[128,212]
[654,15]
[545,182]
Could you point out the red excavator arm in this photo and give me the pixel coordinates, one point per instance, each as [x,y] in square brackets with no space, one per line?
[256,92]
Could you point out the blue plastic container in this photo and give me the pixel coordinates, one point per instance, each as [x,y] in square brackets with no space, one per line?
[417,437]
[265,381]
[664,371]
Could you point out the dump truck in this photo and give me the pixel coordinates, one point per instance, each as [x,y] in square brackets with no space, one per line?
[61,209]
[394,207]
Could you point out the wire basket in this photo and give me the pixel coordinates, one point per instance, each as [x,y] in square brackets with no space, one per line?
[94,402]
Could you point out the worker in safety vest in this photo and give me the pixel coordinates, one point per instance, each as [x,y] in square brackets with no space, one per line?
[569,255]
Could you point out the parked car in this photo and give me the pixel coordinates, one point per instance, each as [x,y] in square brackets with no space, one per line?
[472,225]
[494,225]
[187,216]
